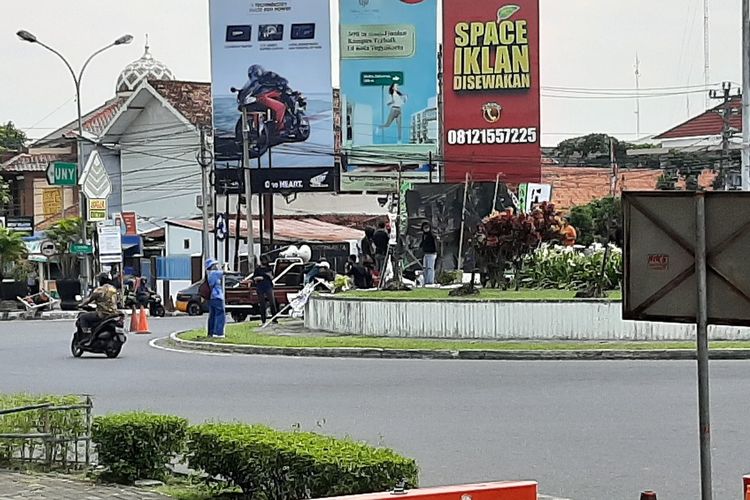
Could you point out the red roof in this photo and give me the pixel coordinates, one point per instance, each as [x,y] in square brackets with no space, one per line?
[191,99]
[707,123]
[287,229]
[94,122]
[34,162]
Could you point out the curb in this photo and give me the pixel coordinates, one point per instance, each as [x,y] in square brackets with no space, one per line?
[472,355]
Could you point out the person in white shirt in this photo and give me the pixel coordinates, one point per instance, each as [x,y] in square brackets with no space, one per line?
[398,100]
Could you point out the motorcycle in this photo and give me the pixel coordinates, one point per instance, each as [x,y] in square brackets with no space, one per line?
[107,337]
[155,303]
[262,132]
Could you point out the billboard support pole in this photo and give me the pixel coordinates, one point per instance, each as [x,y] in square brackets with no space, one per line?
[702,347]
[463,226]
[261,212]
[440,143]
[497,187]
[248,194]
[269,206]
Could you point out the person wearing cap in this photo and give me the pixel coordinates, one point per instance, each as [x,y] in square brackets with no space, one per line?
[217,315]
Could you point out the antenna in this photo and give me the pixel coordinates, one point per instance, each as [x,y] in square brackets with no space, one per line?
[706,50]
[637,96]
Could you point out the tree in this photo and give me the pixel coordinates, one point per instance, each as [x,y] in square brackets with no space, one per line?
[598,222]
[12,250]
[63,234]
[11,138]
[596,147]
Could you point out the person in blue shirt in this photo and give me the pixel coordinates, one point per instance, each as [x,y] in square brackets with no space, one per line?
[217,316]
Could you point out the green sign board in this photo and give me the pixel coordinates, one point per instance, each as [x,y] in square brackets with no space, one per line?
[81,249]
[381,78]
[62,173]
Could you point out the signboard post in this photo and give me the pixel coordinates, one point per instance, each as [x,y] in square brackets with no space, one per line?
[685,262]
[97,210]
[110,244]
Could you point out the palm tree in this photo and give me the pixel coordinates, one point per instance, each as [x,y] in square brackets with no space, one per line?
[12,249]
[63,234]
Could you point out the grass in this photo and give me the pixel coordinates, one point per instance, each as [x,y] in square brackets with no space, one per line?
[182,489]
[246,334]
[486,294]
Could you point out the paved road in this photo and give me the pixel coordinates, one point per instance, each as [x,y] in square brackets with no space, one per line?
[586,430]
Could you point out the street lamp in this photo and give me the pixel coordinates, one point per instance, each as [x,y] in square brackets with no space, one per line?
[123,40]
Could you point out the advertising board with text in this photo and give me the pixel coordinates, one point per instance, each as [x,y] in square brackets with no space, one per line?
[272,59]
[491,90]
[388,92]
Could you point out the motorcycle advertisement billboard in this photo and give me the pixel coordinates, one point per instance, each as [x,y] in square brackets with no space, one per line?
[272,59]
[388,72]
[491,90]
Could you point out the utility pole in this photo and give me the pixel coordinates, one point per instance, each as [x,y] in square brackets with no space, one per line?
[248,193]
[746,95]
[706,50]
[637,97]
[725,111]
[205,157]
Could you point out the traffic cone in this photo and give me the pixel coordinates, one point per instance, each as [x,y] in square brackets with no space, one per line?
[143,323]
[133,321]
[648,495]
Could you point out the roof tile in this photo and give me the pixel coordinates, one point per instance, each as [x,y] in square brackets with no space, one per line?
[191,99]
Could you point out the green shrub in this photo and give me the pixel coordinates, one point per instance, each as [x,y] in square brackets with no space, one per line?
[138,445]
[566,268]
[283,465]
[446,278]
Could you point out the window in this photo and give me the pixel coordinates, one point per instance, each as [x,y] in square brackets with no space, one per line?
[186,244]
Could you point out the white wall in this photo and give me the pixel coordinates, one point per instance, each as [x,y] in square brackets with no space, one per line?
[496,320]
[160,176]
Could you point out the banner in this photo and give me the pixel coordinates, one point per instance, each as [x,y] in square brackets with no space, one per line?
[388,92]
[273,59]
[491,90]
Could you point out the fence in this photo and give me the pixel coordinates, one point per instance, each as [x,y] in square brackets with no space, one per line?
[48,434]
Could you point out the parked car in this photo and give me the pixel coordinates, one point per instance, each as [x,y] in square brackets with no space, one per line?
[242,300]
[189,300]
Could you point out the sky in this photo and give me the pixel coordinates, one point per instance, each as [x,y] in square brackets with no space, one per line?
[585,44]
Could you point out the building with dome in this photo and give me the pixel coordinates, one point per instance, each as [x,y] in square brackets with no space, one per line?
[26,171]
[141,70]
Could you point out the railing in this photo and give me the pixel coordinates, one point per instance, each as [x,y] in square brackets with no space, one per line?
[62,437]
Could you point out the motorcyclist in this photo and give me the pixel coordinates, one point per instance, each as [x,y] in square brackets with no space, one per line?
[105,299]
[142,293]
[269,89]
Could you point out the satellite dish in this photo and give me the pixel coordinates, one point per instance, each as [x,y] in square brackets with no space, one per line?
[305,253]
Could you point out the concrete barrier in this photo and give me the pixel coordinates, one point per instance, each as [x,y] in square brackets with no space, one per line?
[495,320]
[508,490]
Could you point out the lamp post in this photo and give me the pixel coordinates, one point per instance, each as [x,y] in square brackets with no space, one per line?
[123,40]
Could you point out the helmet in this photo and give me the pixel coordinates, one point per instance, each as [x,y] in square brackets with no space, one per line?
[255,71]
[103,279]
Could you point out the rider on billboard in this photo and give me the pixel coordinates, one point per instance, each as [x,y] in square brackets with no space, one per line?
[271,87]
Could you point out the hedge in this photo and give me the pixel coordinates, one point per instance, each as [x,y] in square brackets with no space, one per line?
[138,445]
[282,465]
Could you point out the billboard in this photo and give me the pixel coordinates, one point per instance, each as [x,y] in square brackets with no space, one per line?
[491,90]
[389,112]
[273,58]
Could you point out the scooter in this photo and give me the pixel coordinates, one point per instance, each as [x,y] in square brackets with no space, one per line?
[155,303]
[107,338]
[262,132]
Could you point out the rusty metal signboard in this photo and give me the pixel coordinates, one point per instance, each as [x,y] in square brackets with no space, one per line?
[686,260]
[660,257]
